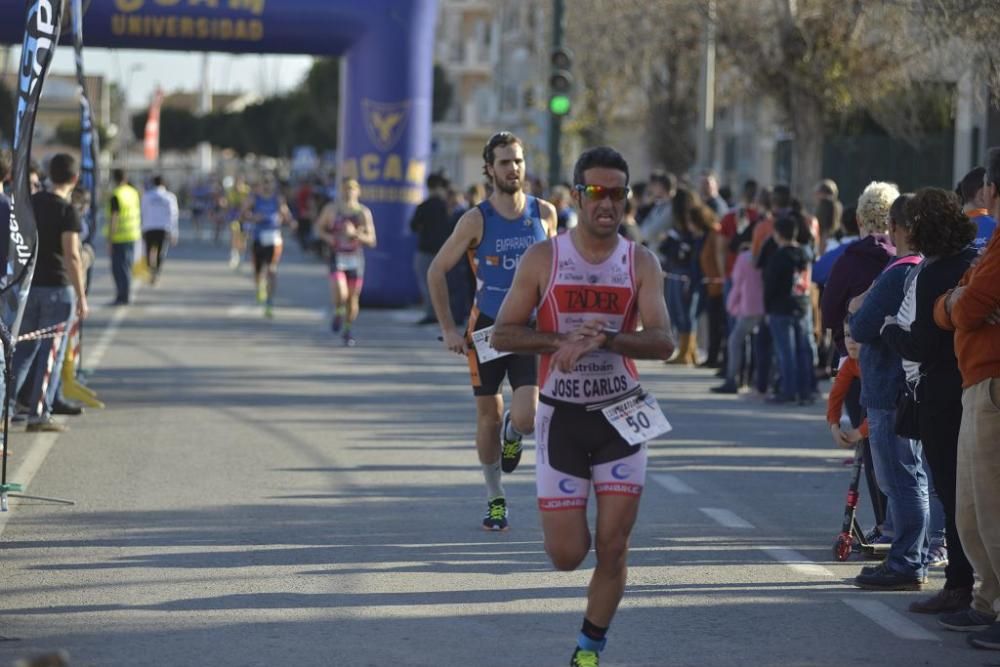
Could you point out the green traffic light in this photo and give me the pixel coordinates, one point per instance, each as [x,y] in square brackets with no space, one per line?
[559,105]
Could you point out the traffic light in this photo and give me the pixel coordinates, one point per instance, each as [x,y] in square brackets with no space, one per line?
[561,82]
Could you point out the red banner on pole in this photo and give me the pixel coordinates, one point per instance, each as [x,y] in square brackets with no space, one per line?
[151,141]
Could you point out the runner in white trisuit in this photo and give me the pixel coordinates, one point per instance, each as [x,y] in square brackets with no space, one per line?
[591,287]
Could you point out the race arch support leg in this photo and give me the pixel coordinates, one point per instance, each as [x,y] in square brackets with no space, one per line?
[386,90]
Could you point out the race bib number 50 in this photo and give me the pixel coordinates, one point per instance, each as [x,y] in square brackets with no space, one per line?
[483,341]
[637,419]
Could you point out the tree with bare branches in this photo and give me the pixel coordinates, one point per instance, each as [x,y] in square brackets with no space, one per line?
[637,63]
[817,59]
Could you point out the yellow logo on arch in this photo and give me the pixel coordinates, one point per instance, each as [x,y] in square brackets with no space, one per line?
[385,122]
[128,6]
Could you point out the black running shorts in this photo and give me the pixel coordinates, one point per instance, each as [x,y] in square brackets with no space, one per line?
[265,255]
[521,370]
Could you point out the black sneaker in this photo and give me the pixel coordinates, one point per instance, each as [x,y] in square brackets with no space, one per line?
[510,450]
[583,658]
[967,620]
[726,388]
[884,578]
[67,408]
[988,638]
[496,515]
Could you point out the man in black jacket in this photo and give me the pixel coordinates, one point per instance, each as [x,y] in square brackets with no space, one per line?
[431,223]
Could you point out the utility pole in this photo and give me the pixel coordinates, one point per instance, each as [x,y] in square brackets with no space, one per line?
[555,119]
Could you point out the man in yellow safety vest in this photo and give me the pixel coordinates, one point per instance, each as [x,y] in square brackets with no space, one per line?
[123,230]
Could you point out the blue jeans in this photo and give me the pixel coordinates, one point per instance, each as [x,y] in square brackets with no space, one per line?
[936,530]
[682,304]
[742,329]
[122,258]
[791,336]
[763,355]
[899,468]
[54,391]
[45,307]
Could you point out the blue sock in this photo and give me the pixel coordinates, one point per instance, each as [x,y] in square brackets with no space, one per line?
[590,644]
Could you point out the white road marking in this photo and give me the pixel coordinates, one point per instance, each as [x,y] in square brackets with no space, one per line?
[94,358]
[726,518]
[796,561]
[890,619]
[244,311]
[673,484]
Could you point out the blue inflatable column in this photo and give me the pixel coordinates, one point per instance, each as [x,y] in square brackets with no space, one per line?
[386,91]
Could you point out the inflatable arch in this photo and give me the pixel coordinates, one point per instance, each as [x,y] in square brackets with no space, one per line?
[386,89]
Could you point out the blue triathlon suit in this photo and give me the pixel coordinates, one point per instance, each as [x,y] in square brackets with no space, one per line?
[494,261]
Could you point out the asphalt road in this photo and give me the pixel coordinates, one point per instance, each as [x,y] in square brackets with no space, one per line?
[257,494]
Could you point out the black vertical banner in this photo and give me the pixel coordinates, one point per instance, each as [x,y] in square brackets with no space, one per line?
[89,148]
[41,35]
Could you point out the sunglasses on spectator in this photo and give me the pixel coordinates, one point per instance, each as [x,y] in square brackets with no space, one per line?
[596,192]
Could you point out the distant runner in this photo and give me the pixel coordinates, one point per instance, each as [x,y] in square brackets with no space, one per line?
[267,211]
[347,227]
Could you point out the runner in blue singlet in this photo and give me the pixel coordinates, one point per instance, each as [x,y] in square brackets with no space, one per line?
[267,212]
[494,235]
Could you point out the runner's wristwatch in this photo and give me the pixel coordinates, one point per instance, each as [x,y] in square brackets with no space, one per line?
[609,336]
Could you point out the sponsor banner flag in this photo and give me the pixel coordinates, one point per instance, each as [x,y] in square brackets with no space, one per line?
[151,140]
[41,35]
[89,142]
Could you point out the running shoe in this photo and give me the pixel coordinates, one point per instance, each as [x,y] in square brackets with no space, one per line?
[937,555]
[269,311]
[338,322]
[582,658]
[875,537]
[349,340]
[496,515]
[510,450]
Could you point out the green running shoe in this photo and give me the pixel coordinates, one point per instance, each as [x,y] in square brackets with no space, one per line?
[582,658]
[496,515]
[510,450]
